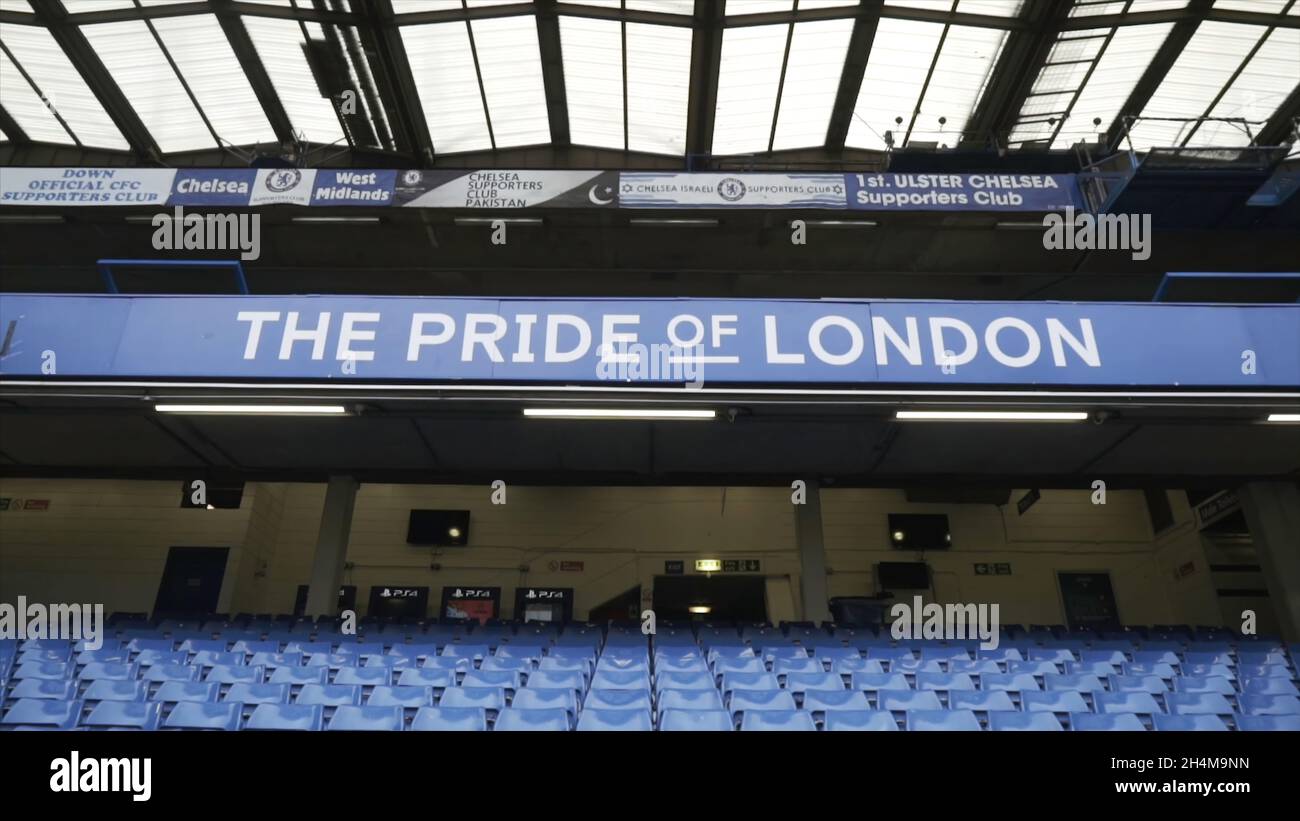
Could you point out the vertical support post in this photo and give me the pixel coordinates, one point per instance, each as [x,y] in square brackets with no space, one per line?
[1273,514]
[812,555]
[331,546]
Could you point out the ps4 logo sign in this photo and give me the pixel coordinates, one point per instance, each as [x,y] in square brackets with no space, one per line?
[472,593]
[544,594]
[399,592]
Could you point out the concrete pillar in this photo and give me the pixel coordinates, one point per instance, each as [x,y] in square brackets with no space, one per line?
[812,556]
[1273,513]
[331,547]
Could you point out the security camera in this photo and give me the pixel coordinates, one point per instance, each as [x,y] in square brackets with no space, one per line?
[1099,417]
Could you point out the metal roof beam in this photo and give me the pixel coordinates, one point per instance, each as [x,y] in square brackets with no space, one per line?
[855,67]
[548,41]
[706,61]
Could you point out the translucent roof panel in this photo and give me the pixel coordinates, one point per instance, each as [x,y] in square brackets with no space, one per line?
[40,56]
[279,46]
[199,46]
[805,5]
[1258,6]
[442,63]
[735,7]
[658,87]
[960,74]
[593,76]
[26,107]
[927,5]
[900,58]
[21,6]
[1201,71]
[993,8]
[510,63]
[684,7]
[1257,92]
[137,64]
[748,80]
[812,78]
[412,6]
[1115,70]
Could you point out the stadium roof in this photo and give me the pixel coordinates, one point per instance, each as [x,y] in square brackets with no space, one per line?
[642,80]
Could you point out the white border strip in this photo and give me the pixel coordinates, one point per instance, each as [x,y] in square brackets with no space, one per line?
[378,387]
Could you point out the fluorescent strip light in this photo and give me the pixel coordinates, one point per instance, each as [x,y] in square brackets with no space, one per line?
[1284,417]
[1012,225]
[368,220]
[31,219]
[991,416]
[255,410]
[491,220]
[699,609]
[619,413]
[678,222]
[138,219]
[842,223]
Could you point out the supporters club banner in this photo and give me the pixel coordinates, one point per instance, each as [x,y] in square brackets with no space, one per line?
[503,189]
[670,190]
[963,192]
[85,186]
[755,342]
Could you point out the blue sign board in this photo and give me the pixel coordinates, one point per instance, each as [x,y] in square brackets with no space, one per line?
[628,341]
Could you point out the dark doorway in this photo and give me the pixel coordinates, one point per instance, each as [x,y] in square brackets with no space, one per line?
[727,598]
[347,599]
[191,582]
[623,607]
[1089,601]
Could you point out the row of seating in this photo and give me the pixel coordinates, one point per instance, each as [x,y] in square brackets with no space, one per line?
[68,715]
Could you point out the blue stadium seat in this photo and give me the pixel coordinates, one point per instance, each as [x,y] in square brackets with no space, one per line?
[1073,682]
[974,667]
[809,682]
[610,699]
[370,717]
[831,654]
[703,699]
[1269,705]
[488,698]
[1142,656]
[329,695]
[1158,670]
[1208,657]
[244,693]
[1053,701]
[232,674]
[861,720]
[685,681]
[465,651]
[360,648]
[944,681]
[1269,687]
[62,656]
[915,666]
[1264,671]
[1102,670]
[1204,684]
[299,675]
[746,700]
[110,690]
[515,719]
[141,645]
[783,720]
[364,676]
[1141,703]
[851,665]
[747,664]
[689,664]
[1113,658]
[1185,704]
[276,660]
[558,678]
[608,664]
[1188,722]
[1001,720]
[217,659]
[108,671]
[118,656]
[897,700]
[1261,657]
[42,712]
[408,696]
[1010,682]
[194,715]
[202,645]
[499,664]
[593,719]
[1106,722]
[427,677]
[1032,668]
[1138,684]
[942,720]
[49,670]
[620,680]
[449,719]
[820,701]
[518,650]
[1284,723]
[61,689]
[152,658]
[980,700]
[890,654]
[1003,655]
[749,681]
[174,691]
[695,720]
[135,715]
[309,717]
[1210,670]
[545,698]
[880,681]
[1054,655]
